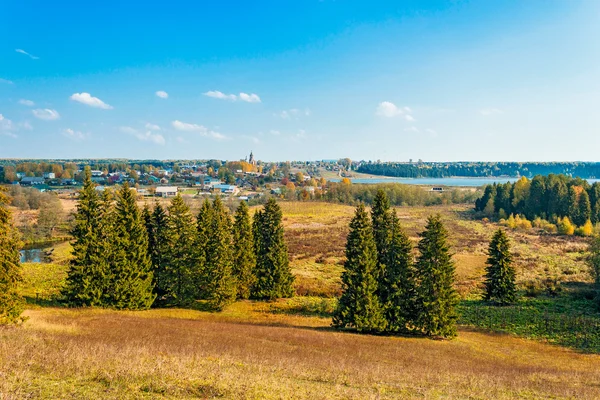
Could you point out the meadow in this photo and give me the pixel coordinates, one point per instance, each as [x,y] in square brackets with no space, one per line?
[286,349]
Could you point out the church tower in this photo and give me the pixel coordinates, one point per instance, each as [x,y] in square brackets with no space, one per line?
[251,160]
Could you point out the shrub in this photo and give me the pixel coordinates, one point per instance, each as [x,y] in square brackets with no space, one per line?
[565,227]
[586,230]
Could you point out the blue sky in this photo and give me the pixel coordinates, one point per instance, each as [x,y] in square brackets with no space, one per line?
[301,80]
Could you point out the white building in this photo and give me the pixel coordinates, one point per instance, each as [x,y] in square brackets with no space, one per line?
[166,191]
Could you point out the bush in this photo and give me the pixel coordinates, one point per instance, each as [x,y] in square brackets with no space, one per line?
[586,230]
[565,227]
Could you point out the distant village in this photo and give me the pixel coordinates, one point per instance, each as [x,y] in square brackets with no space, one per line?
[245,179]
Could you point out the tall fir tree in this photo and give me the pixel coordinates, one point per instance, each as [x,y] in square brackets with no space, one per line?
[11,303]
[203,229]
[585,208]
[435,269]
[399,291]
[381,219]
[88,269]
[130,269]
[219,258]
[244,259]
[274,278]
[500,274]
[180,256]
[359,307]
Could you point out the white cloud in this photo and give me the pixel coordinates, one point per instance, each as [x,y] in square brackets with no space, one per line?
[389,110]
[432,132]
[27,54]
[202,130]
[147,136]
[274,132]
[152,127]
[25,125]
[88,99]
[186,127]
[253,139]
[293,113]
[27,103]
[486,112]
[74,135]
[162,94]
[220,95]
[249,98]
[411,129]
[46,114]
[5,123]
[6,81]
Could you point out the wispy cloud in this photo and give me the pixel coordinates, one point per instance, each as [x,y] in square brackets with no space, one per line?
[27,103]
[253,139]
[162,94]
[249,98]
[27,54]
[486,112]
[274,132]
[77,136]
[89,100]
[202,130]
[6,81]
[46,114]
[293,113]
[389,110]
[411,129]
[6,127]
[152,127]
[147,136]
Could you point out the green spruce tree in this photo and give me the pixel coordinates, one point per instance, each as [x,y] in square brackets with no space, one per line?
[399,292]
[219,258]
[359,307]
[88,269]
[203,230]
[274,278]
[435,269]
[381,219]
[500,273]
[244,259]
[130,269]
[11,303]
[180,256]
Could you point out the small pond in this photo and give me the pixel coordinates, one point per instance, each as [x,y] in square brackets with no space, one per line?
[36,253]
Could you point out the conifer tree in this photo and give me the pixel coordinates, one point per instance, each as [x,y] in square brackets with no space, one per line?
[219,258]
[244,259]
[359,306]
[381,219]
[180,253]
[399,292]
[11,303]
[130,269]
[274,278]
[500,273]
[585,209]
[88,270]
[203,230]
[435,268]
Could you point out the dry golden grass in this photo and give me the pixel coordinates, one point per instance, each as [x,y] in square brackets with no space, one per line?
[80,354]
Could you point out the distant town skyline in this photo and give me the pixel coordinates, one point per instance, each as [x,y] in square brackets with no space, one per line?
[301,80]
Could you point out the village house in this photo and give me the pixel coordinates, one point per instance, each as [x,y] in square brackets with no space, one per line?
[166,191]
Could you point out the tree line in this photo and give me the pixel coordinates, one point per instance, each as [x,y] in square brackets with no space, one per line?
[387,290]
[479,169]
[127,258]
[548,197]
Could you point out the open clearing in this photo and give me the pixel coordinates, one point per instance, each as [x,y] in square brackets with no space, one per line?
[285,349]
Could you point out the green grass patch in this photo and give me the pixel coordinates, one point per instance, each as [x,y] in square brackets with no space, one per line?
[42,283]
[568,320]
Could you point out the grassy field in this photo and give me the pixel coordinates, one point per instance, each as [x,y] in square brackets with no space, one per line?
[285,349]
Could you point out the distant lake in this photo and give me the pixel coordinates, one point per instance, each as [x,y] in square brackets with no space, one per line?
[457,181]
